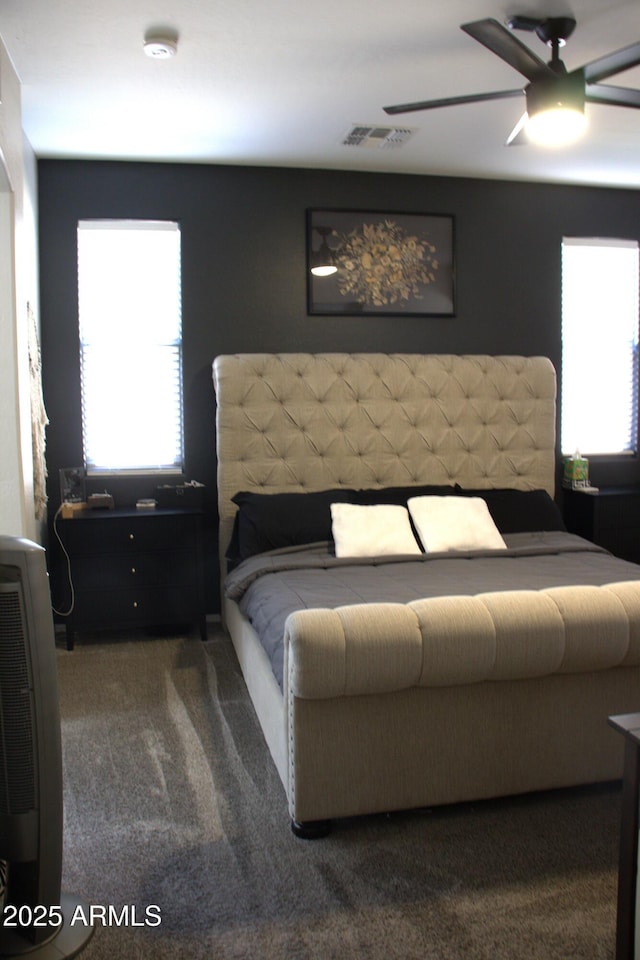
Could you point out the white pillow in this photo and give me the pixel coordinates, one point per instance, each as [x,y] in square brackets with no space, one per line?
[455,523]
[371,531]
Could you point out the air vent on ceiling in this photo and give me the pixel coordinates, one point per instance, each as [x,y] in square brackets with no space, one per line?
[380,138]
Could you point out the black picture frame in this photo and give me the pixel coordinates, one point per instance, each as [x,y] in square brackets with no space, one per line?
[386,263]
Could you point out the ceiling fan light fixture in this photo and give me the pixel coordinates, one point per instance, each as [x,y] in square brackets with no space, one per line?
[555,111]
[556,127]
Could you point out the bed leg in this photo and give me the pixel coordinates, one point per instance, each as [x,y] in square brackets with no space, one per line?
[311,829]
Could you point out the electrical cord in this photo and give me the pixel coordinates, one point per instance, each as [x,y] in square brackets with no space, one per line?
[61,613]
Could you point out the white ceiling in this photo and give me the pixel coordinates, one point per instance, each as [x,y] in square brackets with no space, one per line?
[280,82]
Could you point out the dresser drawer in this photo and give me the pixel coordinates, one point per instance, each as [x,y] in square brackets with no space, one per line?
[111,534]
[116,571]
[144,606]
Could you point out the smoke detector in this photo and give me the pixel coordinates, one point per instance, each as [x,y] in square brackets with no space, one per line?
[374,137]
[160,47]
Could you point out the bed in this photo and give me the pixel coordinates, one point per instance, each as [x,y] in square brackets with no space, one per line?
[391,676]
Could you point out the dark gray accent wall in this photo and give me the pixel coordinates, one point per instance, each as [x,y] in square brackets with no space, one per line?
[244,278]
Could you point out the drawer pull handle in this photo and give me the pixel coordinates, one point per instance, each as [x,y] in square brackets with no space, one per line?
[135,604]
[133,569]
[131,536]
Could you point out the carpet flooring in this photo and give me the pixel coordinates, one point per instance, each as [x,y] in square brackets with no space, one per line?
[175,813]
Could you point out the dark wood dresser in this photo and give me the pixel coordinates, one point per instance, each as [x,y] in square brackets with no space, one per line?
[134,568]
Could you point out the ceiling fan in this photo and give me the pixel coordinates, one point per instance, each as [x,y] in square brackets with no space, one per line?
[555,97]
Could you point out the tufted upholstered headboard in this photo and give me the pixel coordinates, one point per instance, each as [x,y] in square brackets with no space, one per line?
[298,421]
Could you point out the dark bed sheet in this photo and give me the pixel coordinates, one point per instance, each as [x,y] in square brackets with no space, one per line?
[273,585]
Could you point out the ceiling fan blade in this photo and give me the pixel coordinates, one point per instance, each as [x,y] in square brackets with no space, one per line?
[451,101]
[613,96]
[505,45]
[612,63]
[518,137]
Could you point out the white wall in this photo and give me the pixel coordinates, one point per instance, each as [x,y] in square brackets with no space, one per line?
[18,287]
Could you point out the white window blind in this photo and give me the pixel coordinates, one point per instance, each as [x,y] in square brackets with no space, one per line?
[599,399]
[130,345]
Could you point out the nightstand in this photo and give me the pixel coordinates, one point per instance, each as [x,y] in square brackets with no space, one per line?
[135,568]
[610,518]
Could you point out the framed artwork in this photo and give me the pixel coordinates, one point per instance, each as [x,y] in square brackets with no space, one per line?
[362,263]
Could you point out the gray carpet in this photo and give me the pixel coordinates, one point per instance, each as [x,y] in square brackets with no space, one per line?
[171,799]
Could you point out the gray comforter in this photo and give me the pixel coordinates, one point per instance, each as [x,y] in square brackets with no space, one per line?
[272,585]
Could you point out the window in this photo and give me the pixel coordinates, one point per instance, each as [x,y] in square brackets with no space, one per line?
[600,280]
[130,345]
